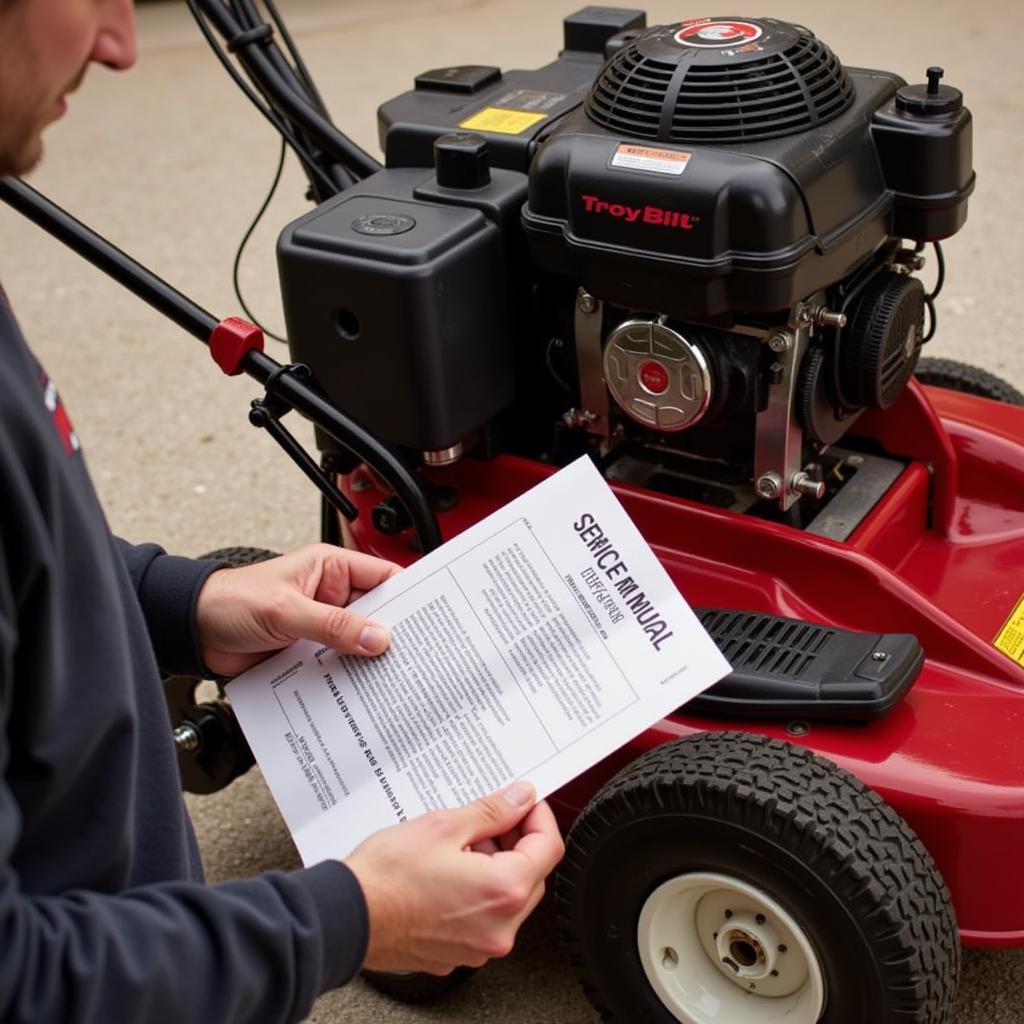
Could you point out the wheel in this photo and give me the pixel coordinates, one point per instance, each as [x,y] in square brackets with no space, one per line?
[956,376]
[732,879]
[417,987]
[211,748]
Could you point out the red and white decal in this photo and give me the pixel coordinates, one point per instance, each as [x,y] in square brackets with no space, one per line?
[652,377]
[716,34]
[61,420]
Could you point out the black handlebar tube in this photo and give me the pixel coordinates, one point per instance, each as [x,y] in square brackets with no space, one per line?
[299,394]
[115,263]
[316,407]
[288,101]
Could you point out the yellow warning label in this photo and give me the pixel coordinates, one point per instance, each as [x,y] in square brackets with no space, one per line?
[501,121]
[1010,639]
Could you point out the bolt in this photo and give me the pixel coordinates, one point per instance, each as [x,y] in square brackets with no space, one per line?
[827,318]
[769,485]
[587,303]
[855,460]
[759,919]
[186,738]
[728,914]
[879,656]
[804,316]
[782,949]
[775,974]
[804,483]
[780,342]
[360,484]
[578,418]
[798,728]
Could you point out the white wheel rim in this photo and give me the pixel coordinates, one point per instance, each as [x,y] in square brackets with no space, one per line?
[719,951]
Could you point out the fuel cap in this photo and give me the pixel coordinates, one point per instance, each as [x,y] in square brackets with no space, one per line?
[932,99]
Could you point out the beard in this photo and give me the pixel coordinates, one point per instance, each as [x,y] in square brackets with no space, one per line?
[24,113]
[21,148]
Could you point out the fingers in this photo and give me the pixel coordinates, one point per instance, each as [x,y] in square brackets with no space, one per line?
[541,841]
[494,814]
[341,628]
[346,575]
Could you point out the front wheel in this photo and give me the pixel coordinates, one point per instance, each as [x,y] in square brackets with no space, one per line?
[731,878]
[971,380]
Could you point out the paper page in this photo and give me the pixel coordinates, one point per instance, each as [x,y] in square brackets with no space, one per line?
[529,647]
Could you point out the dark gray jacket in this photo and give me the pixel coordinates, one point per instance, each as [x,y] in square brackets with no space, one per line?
[103,913]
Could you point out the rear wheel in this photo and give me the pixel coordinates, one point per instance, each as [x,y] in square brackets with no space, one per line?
[971,380]
[212,752]
[728,877]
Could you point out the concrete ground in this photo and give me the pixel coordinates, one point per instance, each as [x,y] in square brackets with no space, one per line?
[170,162]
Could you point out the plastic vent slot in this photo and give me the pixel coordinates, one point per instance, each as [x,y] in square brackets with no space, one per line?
[779,94]
[787,667]
[766,644]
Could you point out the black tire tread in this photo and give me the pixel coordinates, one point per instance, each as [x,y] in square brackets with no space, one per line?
[972,380]
[834,823]
[240,555]
[418,988]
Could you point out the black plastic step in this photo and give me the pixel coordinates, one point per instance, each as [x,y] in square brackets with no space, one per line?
[784,667]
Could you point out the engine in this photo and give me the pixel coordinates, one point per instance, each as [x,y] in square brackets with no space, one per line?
[689,250]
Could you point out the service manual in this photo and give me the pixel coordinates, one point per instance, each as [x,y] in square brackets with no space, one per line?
[529,647]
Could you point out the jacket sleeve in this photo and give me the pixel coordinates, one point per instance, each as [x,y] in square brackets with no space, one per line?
[168,587]
[255,951]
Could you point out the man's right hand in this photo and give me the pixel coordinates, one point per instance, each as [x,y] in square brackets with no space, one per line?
[451,888]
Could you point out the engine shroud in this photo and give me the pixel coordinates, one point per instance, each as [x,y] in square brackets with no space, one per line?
[759,180]
[686,243]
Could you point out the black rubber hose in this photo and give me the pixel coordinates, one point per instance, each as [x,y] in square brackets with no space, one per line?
[295,106]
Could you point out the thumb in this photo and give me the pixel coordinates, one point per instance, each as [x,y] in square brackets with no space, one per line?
[341,628]
[495,814]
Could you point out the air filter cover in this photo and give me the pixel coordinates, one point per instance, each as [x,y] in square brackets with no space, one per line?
[721,80]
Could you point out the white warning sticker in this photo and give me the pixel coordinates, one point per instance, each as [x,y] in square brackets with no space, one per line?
[645,158]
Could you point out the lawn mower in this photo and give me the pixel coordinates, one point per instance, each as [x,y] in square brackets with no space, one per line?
[691,252]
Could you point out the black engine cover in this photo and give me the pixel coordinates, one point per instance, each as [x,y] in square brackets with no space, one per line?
[739,157]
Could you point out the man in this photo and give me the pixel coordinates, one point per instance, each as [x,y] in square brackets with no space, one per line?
[103,915]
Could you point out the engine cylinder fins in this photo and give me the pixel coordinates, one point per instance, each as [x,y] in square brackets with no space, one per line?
[720,80]
[657,376]
[882,340]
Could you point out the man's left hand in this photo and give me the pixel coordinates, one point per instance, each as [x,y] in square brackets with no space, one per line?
[246,613]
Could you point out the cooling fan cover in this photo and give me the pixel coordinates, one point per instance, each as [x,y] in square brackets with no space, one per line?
[721,80]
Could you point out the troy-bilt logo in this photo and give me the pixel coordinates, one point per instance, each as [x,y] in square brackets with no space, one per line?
[643,214]
[705,32]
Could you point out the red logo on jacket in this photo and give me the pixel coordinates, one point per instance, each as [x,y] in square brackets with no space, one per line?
[61,420]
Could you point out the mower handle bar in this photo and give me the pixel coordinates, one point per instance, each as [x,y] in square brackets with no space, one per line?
[294,390]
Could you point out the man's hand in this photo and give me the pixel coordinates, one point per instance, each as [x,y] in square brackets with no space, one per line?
[244,614]
[452,888]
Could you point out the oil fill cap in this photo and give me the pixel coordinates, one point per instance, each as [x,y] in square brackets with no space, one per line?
[932,99]
[461,161]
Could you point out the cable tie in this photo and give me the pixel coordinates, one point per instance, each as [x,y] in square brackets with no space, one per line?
[259,34]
